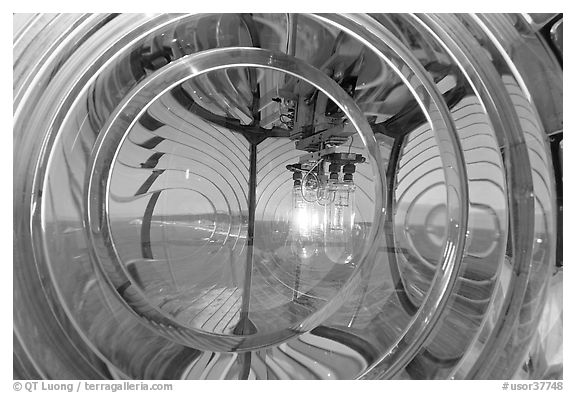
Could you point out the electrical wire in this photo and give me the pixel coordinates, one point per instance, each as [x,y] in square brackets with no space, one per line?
[304,180]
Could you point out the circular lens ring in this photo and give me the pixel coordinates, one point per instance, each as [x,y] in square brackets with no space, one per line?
[384,43]
[507,128]
[128,113]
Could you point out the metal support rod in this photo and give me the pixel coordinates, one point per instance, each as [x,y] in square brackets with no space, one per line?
[245,326]
[291,25]
[391,171]
[555,141]
[297,275]
[250,236]
[291,32]
[415,367]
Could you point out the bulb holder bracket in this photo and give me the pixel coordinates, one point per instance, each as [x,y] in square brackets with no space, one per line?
[344,159]
[294,167]
[316,155]
[336,135]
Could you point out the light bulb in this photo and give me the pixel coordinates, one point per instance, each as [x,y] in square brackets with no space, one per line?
[339,221]
[306,224]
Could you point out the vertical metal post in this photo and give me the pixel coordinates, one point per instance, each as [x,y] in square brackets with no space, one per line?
[245,326]
[391,172]
[249,240]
